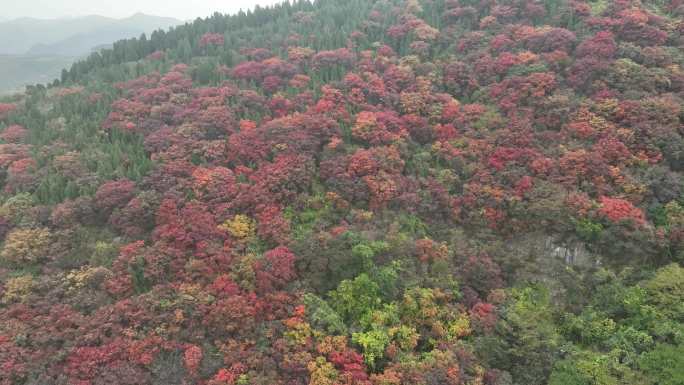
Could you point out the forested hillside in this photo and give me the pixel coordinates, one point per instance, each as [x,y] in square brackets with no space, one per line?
[354,192]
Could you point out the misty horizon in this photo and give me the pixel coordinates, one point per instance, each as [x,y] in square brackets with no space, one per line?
[76,17]
[74,9]
[69,17]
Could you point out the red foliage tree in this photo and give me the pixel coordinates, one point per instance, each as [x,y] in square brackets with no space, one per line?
[21,175]
[208,39]
[482,274]
[114,194]
[378,127]
[214,185]
[617,210]
[272,225]
[275,269]
[249,70]
[6,109]
[192,356]
[483,315]
[14,134]
[342,56]
[594,55]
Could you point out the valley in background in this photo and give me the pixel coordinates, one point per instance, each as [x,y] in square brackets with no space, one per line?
[35,51]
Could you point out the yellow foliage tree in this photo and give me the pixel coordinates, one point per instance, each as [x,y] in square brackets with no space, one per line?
[18,289]
[26,246]
[240,227]
[16,207]
[322,372]
[460,327]
[86,276]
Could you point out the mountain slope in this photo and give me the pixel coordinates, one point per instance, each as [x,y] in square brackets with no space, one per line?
[19,35]
[40,49]
[354,192]
[35,36]
[19,71]
[105,33]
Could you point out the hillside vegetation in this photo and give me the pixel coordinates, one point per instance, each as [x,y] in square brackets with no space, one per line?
[354,192]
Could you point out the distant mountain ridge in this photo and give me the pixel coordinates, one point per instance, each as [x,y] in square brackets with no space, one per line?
[73,36]
[36,50]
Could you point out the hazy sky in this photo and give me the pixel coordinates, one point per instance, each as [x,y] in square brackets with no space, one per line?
[181,9]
